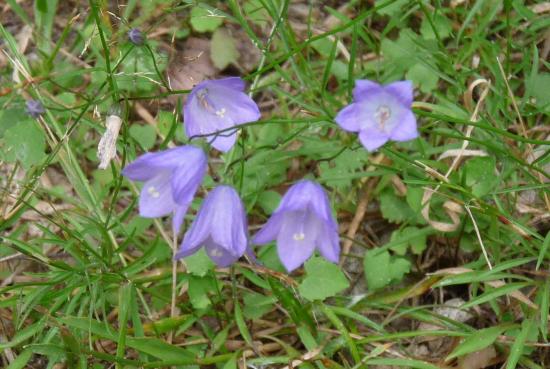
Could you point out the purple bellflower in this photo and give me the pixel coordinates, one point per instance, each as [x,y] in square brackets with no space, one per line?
[302,223]
[34,108]
[216,105]
[136,36]
[171,178]
[380,113]
[220,226]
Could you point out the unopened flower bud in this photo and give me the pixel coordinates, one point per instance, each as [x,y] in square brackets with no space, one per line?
[34,108]
[136,36]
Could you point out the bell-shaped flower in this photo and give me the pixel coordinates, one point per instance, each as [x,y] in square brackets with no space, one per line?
[302,223]
[220,226]
[380,113]
[217,105]
[171,178]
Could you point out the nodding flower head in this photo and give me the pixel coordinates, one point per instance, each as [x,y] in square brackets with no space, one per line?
[302,223]
[220,226]
[136,36]
[380,113]
[215,106]
[34,108]
[171,178]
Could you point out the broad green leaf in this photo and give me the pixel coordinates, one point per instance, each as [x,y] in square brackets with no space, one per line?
[480,175]
[539,90]
[423,77]
[164,122]
[145,135]
[476,341]
[395,209]
[442,25]
[323,279]
[395,7]
[24,142]
[381,268]
[412,237]
[223,50]
[256,305]
[10,118]
[199,264]
[203,20]
[269,200]
[337,172]
[199,287]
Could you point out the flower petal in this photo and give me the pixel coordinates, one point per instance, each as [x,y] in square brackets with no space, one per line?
[296,239]
[234,83]
[270,230]
[151,164]
[234,104]
[217,105]
[348,118]
[200,117]
[222,220]
[364,88]
[230,230]
[406,129]
[187,177]
[199,231]
[402,90]
[328,244]
[319,203]
[179,215]
[224,141]
[155,199]
[186,250]
[219,254]
[372,139]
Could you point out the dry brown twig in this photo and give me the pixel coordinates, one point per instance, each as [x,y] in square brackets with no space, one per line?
[361,209]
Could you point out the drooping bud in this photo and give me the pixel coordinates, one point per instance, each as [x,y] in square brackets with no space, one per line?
[136,36]
[34,108]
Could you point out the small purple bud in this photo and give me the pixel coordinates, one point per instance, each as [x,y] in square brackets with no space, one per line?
[220,227]
[136,36]
[34,108]
[302,223]
[380,113]
[171,179]
[218,105]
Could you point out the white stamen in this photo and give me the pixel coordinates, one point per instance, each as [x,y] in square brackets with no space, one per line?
[382,115]
[216,252]
[299,236]
[221,113]
[153,192]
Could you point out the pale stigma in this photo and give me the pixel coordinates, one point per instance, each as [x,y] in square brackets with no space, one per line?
[299,236]
[153,192]
[382,115]
[216,252]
